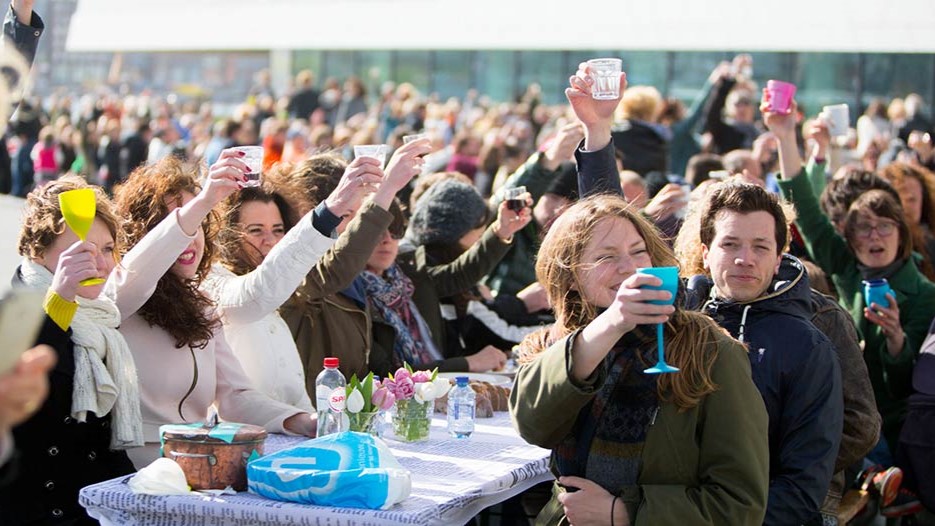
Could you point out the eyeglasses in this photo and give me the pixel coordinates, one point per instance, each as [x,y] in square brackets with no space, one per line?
[884,229]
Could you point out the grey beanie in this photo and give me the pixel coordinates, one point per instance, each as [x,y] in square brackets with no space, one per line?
[447,211]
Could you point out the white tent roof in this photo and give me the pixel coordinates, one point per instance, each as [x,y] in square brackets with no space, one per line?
[905,26]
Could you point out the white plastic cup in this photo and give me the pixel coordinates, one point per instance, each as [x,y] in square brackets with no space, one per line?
[838,117]
[253,157]
[605,77]
[376,151]
[414,137]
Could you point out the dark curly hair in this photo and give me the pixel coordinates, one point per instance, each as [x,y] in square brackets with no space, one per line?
[240,257]
[177,305]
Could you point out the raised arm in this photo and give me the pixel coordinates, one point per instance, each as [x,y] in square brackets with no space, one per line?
[597,166]
[134,280]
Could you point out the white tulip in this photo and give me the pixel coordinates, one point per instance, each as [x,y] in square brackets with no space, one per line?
[425,392]
[442,385]
[355,402]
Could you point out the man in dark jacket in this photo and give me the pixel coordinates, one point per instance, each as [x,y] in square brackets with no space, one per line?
[762,298]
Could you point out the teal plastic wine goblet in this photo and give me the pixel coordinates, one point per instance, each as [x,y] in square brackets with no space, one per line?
[670,282]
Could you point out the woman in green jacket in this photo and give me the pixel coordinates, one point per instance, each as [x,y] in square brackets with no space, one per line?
[683,448]
[875,243]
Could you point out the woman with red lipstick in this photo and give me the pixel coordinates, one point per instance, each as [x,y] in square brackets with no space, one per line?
[185,364]
[876,244]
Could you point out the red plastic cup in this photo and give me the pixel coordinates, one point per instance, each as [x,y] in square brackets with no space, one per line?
[781,95]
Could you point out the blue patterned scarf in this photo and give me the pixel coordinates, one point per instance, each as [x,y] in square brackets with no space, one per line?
[392,298]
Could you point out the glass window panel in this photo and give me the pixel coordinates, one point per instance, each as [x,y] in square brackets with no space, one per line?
[645,68]
[338,64]
[896,75]
[311,60]
[496,74]
[374,69]
[452,75]
[825,78]
[690,71]
[413,67]
[547,69]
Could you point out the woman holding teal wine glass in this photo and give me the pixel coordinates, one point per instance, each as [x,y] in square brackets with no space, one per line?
[629,447]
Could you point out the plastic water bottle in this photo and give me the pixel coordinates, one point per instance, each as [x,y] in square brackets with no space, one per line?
[330,399]
[461,401]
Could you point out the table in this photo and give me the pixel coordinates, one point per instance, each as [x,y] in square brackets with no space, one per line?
[452,481]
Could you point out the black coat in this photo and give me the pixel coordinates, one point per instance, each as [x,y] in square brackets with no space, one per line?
[57,456]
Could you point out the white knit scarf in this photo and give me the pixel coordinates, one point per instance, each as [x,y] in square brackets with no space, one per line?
[105,378]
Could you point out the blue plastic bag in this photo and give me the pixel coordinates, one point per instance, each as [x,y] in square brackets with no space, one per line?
[351,470]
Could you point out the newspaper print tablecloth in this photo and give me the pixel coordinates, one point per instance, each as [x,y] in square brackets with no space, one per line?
[452,480]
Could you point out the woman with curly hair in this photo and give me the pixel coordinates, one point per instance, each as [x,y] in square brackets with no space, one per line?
[185,364]
[683,448]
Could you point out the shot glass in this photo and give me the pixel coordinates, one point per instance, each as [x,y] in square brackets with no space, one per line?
[781,95]
[838,118]
[377,151]
[514,198]
[253,157]
[605,76]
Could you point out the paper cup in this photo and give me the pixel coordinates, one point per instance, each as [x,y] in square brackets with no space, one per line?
[838,117]
[781,95]
[377,151]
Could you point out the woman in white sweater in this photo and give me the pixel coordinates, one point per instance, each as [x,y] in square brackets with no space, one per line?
[184,362]
[264,258]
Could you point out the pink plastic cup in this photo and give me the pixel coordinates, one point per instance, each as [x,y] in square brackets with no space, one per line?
[780,96]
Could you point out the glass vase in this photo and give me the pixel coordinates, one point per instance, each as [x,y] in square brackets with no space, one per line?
[365,422]
[412,420]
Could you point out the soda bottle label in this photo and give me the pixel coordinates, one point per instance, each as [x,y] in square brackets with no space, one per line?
[338,399]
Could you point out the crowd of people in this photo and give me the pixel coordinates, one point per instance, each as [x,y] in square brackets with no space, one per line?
[222,296]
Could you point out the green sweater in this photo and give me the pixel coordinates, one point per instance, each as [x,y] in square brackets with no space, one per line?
[890,376]
[707,465]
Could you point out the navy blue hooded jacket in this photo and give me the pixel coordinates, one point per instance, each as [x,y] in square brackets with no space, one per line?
[796,371]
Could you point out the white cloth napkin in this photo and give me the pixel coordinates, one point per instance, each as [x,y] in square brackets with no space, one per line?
[163,477]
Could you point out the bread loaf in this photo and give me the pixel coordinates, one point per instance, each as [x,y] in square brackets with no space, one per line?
[489,398]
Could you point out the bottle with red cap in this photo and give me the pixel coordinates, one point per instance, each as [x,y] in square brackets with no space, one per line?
[330,399]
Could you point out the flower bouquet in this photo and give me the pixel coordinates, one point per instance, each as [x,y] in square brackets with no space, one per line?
[415,394]
[365,400]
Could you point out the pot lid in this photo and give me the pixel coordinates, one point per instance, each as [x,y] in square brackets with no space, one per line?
[227,432]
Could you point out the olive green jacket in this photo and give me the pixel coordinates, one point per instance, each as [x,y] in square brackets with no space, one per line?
[706,465]
[325,322]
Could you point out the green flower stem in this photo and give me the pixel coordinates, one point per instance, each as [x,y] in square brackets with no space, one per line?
[412,420]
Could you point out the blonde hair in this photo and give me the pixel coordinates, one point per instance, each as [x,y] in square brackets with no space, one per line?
[641,103]
[691,337]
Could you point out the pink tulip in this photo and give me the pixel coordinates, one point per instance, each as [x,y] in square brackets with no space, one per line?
[383,399]
[389,385]
[401,374]
[421,377]
[404,389]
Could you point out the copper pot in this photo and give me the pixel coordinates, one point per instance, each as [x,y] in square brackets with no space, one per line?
[213,457]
